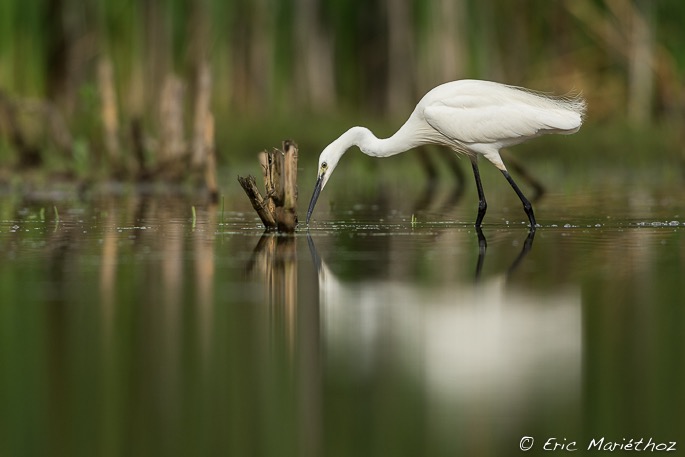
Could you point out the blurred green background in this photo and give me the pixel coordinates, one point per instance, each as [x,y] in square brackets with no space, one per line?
[88,85]
[155,324]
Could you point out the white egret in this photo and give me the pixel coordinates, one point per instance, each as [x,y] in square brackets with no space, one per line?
[471,117]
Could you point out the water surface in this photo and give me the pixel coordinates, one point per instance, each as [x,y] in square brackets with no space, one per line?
[131,326]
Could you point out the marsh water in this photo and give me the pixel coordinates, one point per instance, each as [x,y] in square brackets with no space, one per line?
[151,323]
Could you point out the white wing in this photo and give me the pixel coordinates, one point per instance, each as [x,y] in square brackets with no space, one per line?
[497,113]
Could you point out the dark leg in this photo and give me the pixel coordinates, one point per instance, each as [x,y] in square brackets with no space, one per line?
[482,204]
[527,207]
[514,164]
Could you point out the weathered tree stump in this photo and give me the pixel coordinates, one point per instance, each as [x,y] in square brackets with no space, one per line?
[278,209]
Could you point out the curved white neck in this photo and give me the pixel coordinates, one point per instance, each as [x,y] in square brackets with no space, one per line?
[372,145]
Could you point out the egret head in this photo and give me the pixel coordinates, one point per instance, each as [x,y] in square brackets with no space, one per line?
[328,160]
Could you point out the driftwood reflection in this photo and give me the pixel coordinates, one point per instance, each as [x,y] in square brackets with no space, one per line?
[295,316]
[275,259]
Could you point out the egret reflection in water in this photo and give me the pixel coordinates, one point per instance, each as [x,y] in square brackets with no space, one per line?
[489,345]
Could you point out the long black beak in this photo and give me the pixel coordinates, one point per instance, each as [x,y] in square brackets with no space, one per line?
[315,197]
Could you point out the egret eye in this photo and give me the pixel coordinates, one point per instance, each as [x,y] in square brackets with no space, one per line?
[324,165]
